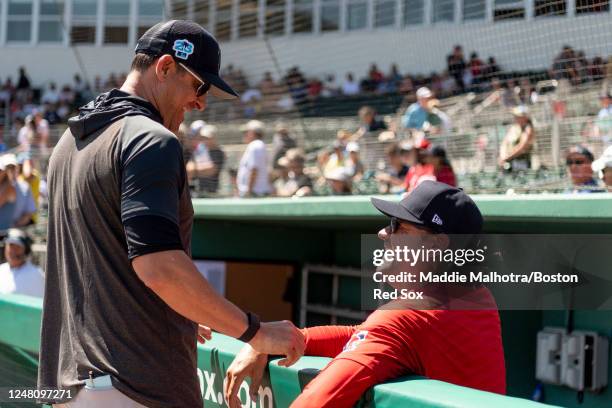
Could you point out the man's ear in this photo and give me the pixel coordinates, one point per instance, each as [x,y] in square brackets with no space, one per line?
[164,67]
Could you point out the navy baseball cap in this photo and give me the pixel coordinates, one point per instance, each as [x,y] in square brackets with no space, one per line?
[437,206]
[191,45]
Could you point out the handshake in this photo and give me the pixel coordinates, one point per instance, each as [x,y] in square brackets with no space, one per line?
[273,338]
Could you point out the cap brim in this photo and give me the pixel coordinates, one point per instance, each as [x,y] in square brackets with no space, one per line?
[15,241]
[219,89]
[393,209]
[600,164]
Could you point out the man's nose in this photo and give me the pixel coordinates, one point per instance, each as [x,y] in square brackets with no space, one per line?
[383,234]
[200,103]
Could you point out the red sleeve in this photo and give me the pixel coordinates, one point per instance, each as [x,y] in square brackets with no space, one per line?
[326,341]
[339,385]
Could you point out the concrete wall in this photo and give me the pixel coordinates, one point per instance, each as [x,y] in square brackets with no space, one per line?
[517,45]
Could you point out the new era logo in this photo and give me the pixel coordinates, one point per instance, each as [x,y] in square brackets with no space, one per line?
[436,219]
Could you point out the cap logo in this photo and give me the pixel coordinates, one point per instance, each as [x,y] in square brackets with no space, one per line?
[436,219]
[183,49]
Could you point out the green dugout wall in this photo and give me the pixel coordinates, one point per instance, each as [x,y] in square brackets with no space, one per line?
[327,231]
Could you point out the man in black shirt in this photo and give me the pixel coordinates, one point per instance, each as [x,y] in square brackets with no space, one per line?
[124,302]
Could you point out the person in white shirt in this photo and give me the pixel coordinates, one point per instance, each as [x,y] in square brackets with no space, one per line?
[350,86]
[18,275]
[252,178]
[51,95]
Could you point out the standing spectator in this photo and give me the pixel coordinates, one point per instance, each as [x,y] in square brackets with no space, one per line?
[281,143]
[456,65]
[492,69]
[416,114]
[24,87]
[28,173]
[25,207]
[392,179]
[206,173]
[477,68]
[516,148]
[603,168]
[350,86]
[603,124]
[18,274]
[253,178]
[8,196]
[579,160]
[354,166]
[369,123]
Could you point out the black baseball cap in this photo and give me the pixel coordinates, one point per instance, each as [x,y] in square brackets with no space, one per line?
[437,206]
[191,45]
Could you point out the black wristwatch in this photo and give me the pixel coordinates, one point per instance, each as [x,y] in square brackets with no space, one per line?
[253,328]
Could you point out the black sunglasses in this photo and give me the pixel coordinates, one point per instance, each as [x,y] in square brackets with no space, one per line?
[203,88]
[576,162]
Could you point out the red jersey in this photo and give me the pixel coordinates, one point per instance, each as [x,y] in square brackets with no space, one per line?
[456,346]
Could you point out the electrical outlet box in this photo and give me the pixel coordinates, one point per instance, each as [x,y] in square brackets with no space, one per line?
[548,355]
[584,361]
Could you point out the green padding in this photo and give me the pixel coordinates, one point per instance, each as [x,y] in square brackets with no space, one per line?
[20,326]
[583,207]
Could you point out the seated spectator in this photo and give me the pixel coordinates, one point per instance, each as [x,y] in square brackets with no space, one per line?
[330,87]
[253,178]
[336,159]
[18,275]
[281,143]
[51,95]
[25,207]
[339,181]
[416,114]
[354,166]
[369,123]
[603,168]
[432,164]
[579,160]
[443,171]
[206,173]
[50,114]
[297,183]
[67,95]
[280,178]
[392,179]
[516,148]
[350,86]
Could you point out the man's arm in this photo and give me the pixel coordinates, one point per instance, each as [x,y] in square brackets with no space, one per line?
[175,279]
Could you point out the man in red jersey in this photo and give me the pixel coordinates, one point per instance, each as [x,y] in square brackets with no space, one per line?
[455,342]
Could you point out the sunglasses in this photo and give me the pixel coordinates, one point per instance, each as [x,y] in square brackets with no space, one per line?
[394,226]
[577,162]
[203,88]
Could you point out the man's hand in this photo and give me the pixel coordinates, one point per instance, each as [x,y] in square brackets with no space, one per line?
[280,338]
[248,363]
[204,333]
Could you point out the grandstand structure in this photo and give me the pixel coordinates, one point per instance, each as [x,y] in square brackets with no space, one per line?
[322,37]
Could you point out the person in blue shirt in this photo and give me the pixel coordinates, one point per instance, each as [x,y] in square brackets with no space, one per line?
[416,114]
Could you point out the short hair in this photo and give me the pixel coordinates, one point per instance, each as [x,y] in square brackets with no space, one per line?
[393,150]
[142,62]
[364,110]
